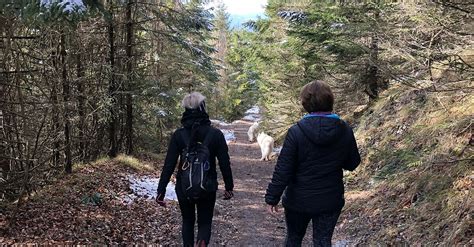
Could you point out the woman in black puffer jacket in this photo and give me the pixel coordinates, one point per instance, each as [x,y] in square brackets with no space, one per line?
[196,120]
[309,168]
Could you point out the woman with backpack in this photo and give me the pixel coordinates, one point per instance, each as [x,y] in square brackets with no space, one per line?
[197,145]
[310,167]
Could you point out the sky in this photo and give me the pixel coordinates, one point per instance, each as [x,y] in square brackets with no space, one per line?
[242,10]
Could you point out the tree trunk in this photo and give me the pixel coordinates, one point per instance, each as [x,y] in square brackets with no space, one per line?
[66,96]
[81,106]
[129,100]
[4,42]
[113,149]
[373,72]
[55,113]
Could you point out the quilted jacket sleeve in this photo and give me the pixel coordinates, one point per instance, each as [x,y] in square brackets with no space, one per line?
[353,159]
[284,169]
[170,164]
[224,162]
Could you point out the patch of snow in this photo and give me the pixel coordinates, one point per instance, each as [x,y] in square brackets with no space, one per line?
[69,5]
[162,113]
[229,135]
[342,243]
[145,187]
[252,114]
[252,118]
[253,110]
[337,25]
[277,150]
[219,122]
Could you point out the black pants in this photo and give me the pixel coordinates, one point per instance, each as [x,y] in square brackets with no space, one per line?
[205,212]
[323,227]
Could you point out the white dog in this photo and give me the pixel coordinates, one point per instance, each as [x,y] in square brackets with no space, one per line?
[252,132]
[266,145]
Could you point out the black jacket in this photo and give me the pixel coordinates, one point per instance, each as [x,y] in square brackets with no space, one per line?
[217,148]
[310,165]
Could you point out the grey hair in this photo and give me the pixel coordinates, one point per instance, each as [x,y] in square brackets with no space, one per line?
[193,100]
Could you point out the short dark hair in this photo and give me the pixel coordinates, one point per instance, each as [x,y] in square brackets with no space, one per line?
[317,96]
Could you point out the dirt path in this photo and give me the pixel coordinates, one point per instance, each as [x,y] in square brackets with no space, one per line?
[243,221]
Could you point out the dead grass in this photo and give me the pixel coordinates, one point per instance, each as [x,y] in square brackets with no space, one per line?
[134,163]
[100,161]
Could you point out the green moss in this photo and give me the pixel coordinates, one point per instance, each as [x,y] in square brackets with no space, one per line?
[394,162]
[433,188]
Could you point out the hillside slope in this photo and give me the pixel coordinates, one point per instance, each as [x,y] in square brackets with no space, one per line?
[415,182]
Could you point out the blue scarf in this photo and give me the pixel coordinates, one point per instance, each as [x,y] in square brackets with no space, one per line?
[316,114]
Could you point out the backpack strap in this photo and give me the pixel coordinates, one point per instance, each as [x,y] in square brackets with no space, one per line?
[189,138]
[186,137]
[208,138]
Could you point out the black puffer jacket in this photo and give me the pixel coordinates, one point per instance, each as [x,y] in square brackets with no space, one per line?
[310,165]
[218,150]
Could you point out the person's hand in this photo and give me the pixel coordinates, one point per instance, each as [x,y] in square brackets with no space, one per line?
[273,209]
[228,194]
[160,199]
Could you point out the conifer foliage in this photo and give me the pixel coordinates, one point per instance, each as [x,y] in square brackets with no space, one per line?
[358,47]
[82,79]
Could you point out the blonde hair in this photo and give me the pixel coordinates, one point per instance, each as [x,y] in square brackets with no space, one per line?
[193,100]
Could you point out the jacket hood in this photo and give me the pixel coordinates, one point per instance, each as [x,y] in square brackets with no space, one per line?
[194,117]
[322,130]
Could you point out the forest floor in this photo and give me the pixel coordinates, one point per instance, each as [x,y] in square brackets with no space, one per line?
[88,207]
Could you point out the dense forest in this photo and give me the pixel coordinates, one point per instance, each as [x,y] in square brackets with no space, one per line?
[99,78]
[83,80]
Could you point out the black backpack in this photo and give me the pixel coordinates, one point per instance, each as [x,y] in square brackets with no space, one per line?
[194,166]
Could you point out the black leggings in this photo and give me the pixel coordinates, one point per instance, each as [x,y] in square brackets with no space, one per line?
[323,227]
[205,212]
